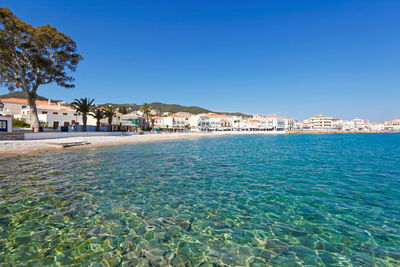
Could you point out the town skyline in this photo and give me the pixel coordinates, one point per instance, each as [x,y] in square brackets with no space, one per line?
[184,108]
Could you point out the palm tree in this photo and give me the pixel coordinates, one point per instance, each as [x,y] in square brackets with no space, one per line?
[146,109]
[109,113]
[152,122]
[98,114]
[84,106]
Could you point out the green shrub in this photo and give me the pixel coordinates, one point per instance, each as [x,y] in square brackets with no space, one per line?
[20,123]
[43,124]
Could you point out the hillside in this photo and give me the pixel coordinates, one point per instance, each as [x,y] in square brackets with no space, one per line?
[173,108]
[161,107]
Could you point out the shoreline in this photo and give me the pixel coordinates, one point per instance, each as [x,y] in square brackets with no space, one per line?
[25,147]
[12,148]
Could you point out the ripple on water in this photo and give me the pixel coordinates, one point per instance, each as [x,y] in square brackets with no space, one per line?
[235,201]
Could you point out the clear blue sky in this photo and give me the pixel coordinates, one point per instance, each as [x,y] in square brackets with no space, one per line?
[295,58]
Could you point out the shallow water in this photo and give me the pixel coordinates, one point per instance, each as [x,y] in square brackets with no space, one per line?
[330,200]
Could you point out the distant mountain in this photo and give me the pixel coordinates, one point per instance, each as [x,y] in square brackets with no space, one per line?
[161,107]
[173,108]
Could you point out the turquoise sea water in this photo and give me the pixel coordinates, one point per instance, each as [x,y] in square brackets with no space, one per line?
[312,200]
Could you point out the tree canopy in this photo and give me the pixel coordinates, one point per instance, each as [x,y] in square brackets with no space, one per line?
[32,56]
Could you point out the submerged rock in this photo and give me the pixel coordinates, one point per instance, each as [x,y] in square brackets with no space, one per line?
[111,259]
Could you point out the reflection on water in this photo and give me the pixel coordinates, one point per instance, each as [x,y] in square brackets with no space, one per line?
[235,201]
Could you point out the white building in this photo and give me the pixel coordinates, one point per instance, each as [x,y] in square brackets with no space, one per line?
[199,123]
[277,123]
[15,105]
[5,123]
[213,122]
[376,126]
[175,122]
[321,123]
[54,115]
[393,125]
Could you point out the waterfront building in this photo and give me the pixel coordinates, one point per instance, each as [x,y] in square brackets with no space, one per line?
[131,122]
[344,125]
[376,126]
[298,125]
[199,123]
[53,115]
[321,123]
[15,105]
[5,123]
[276,123]
[175,122]
[158,123]
[393,125]
[219,122]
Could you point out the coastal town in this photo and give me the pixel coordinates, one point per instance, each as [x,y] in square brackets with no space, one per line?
[199,133]
[57,117]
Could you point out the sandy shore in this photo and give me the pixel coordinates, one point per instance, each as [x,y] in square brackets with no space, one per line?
[9,148]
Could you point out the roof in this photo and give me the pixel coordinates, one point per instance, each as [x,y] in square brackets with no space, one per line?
[395,120]
[175,116]
[130,116]
[54,107]
[275,116]
[254,120]
[25,101]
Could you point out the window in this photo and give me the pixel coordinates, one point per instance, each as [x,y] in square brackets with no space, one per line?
[44,112]
[65,114]
[55,113]
[75,114]
[23,106]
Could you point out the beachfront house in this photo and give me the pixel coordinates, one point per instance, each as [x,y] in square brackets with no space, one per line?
[205,122]
[393,125]
[158,123]
[5,123]
[117,123]
[132,122]
[276,123]
[15,105]
[199,123]
[176,122]
[53,115]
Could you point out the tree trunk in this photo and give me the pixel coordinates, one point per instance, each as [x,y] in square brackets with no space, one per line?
[98,126]
[109,124]
[35,124]
[84,120]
